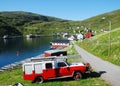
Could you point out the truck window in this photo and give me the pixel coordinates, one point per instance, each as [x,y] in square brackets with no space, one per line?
[48,65]
[61,64]
[38,68]
[28,69]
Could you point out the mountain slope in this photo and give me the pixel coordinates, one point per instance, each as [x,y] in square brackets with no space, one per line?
[97,22]
[105,47]
[17,21]
[22,23]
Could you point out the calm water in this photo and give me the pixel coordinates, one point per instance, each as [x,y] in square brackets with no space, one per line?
[14,50]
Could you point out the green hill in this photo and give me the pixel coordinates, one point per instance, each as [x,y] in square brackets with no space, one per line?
[97,22]
[15,23]
[22,23]
[102,46]
[105,43]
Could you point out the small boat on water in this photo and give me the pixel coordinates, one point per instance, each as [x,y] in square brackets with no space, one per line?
[10,37]
[6,36]
[30,36]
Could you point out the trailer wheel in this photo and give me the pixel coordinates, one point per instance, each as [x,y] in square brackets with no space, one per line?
[39,80]
[77,76]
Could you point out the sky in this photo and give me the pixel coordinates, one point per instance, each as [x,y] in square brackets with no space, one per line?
[65,9]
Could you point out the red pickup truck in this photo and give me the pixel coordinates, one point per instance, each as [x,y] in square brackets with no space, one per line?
[38,71]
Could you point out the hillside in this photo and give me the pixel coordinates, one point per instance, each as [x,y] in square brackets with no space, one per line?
[102,46]
[97,22]
[106,44]
[14,23]
[22,23]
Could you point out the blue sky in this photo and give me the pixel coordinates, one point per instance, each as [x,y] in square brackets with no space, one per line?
[65,9]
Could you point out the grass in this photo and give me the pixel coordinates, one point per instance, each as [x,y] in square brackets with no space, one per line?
[100,46]
[71,50]
[10,77]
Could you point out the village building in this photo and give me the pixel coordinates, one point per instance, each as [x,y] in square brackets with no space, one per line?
[60,43]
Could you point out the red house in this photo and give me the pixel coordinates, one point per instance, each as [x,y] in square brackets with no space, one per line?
[88,35]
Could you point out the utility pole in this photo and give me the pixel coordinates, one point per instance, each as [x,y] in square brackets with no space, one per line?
[109,39]
[109,49]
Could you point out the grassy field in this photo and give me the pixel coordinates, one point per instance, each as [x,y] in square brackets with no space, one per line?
[10,77]
[101,46]
[71,50]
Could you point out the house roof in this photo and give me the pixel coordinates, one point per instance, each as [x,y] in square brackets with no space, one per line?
[60,41]
[55,51]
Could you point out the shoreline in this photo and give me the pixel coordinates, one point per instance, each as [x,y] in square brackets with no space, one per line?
[19,63]
[16,64]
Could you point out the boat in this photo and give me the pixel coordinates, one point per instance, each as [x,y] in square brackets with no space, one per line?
[30,36]
[5,37]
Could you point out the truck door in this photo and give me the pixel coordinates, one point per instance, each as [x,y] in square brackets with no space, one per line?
[63,69]
[49,72]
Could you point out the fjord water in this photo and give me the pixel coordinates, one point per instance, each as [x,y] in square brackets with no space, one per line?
[18,49]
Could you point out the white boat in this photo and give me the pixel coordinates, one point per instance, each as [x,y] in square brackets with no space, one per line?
[30,36]
[5,36]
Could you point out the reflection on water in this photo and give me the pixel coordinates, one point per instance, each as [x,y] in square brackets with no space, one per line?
[13,50]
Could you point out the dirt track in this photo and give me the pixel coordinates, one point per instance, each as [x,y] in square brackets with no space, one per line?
[108,71]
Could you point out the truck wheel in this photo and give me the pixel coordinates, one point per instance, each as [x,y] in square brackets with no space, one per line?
[39,80]
[77,76]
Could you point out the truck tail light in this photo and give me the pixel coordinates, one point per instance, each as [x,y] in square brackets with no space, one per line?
[87,65]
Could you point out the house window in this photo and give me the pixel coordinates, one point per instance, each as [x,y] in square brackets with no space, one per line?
[48,65]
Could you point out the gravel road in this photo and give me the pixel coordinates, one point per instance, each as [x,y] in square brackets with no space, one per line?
[108,71]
